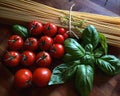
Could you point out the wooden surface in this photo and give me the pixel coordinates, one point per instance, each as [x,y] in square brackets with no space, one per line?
[103,85]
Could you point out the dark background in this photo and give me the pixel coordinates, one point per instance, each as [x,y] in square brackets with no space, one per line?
[112,7]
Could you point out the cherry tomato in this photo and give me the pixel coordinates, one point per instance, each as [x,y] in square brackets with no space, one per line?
[23,78]
[49,29]
[12,58]
[15,42]
[31,44]
[61,31]
[43,59]
[65,35]
[41,76]
[57,51]
[27,58]
[45,42]
[59,39]
[35,28]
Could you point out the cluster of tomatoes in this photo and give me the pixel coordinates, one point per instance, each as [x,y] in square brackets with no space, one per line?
[44,43]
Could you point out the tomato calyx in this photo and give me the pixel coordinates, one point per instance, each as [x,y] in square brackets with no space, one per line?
[53,50]
[14,40]
[10,58]
[29,42]
[28,82]
[33,26]
[43,57]
[43,43]
[49,27]
[24,58]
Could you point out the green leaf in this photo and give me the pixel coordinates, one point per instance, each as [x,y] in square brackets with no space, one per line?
[88,59]
[98,52]
[103,42]
[89,48]
[69,58]
[90,36]
[63,72]
[74,48]
[20,30]
[84,79]
[109,64]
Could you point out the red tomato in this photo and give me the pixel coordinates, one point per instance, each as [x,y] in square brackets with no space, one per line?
[61,31]
[57,51]
[49,29]
[23,78]
[43,59]
[15,42]
[65,35]
[12,58]
[31,44]
[27,58]
[45,42]
[59,39]
[41,76]
[35,28]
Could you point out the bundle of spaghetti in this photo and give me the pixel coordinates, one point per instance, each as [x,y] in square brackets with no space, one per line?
[23,11]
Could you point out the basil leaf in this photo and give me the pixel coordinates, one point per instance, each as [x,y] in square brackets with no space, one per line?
[98,52]
[89,48]
[69,58]
[62,73]
[90,36]
[74,48]
[89,59]
[56,77]
[84,79]
[103,42]
[109,64]
[20,30]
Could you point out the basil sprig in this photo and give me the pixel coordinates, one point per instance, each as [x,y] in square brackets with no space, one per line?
[80,59]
